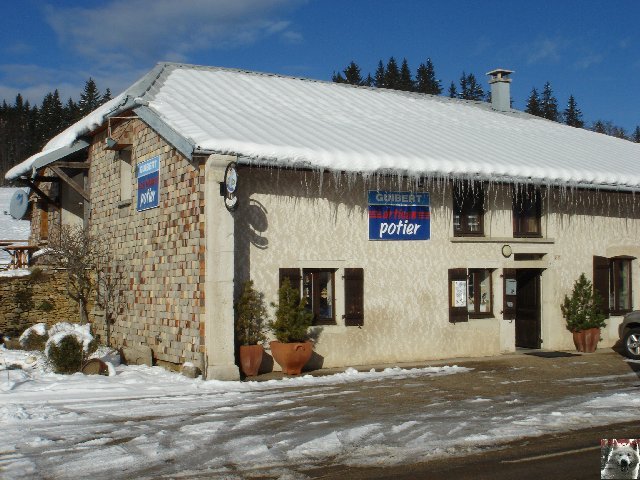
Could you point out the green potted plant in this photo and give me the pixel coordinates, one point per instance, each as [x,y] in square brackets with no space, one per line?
[251,324]
[583,315]
[292,348]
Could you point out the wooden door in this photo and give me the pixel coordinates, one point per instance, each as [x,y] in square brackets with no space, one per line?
[528,308]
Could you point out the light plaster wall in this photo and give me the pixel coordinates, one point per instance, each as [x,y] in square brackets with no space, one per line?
[158,253]
[585,224]
[305,219]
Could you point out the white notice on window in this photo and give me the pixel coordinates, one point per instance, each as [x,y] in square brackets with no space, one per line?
[459,293]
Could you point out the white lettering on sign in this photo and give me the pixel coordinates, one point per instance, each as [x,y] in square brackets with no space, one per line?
[391,197]
[400,228]
[146,167]
[147,197]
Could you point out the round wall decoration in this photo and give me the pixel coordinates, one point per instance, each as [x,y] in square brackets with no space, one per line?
[506,251]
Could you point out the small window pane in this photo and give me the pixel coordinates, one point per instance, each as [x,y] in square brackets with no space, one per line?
[485,291]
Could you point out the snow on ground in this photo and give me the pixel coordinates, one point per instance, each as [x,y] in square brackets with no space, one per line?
[10,228]
[146,422]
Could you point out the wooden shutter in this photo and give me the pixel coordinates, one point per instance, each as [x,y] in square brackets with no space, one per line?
[44,221]
[293,274]
[509,293]
[601,281]
[457,313]
[353,297]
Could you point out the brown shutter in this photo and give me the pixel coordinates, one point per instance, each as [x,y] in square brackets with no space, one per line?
[293,274]
[457,314]
[353,297]
[44,222]
[601,281]
[509,290]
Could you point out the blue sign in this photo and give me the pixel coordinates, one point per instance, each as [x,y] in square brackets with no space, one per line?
[399,216]
[148,174]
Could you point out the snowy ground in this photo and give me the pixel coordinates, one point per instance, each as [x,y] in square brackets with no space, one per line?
[9,228]
[150,423]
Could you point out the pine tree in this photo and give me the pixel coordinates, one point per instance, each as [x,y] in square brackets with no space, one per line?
[470,89]
[636,134]
[533,103]
[378,78]
[572,114]
[453,93]
[71,112]
[599,127]
[337,78]
[90,98]
[51,119]
[405,83]
[475,91]
[107,96]
[549,104]
[392,74]
[426,81]
[368,82]
[352,74]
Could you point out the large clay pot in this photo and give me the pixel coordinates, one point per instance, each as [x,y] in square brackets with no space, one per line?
[291,356]
[586,340]
[250,359]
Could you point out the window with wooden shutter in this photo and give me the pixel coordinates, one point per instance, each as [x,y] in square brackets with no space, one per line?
[293,274]
[458,295]
[353,297]
[601,281]
[510,292]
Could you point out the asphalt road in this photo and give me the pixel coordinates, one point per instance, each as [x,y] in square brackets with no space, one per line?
[572,455]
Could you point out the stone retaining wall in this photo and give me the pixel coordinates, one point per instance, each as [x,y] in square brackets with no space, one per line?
[42,297]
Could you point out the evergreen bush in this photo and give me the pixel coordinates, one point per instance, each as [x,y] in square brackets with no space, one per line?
[582,310]
[292,318]
[252,316]
[34,341]
[66,356]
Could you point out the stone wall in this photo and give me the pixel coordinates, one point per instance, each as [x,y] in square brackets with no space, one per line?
[25,301]
[157,254]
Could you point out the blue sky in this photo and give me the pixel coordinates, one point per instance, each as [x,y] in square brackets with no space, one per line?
[587,48]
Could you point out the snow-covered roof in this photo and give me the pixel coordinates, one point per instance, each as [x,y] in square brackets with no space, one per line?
[302,123]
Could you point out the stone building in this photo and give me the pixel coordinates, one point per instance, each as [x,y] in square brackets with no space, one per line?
[417,227]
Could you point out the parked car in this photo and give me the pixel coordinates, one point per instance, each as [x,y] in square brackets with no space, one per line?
[629,332]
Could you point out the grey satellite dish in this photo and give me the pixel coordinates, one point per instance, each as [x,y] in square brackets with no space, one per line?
[19,204]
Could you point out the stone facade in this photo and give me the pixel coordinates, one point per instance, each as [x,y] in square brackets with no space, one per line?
[25,301]
[158,253]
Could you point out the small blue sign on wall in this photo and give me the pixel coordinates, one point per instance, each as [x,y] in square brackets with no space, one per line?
[399,215]
[148,174]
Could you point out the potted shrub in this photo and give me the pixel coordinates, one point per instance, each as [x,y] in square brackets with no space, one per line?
[292,348]
[250,328]
[583,315]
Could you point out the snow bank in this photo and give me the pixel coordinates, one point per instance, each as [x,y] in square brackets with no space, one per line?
[82,333]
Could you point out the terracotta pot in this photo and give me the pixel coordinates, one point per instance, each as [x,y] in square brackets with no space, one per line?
[586,340]
[250,359]
[291,356]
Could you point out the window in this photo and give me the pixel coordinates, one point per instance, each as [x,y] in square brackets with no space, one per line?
[527,212]
[612,282]
[479,292]
[318,291]
[125,175]
[468,210]
[470,294]
[318,288]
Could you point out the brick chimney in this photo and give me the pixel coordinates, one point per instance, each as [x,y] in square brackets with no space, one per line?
[500,89]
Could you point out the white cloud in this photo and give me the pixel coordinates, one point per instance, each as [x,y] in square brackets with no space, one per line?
[126,32]
[34,82]
[542,50]
[588,60]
